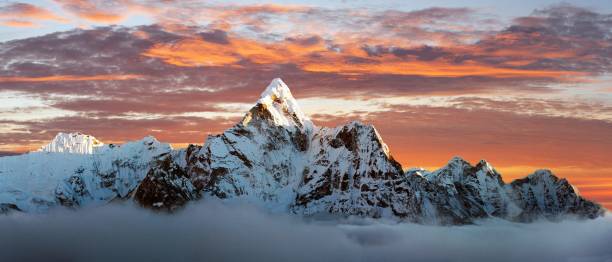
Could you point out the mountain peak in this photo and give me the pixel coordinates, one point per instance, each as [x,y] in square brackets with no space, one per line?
[280,107]
[276,90]
[76,143]
[454,170]
[542,174]
[457,160]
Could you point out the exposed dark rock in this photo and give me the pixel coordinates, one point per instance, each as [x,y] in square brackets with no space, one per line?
[166,187]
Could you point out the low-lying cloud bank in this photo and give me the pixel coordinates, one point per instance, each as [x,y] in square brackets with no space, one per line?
[209,231]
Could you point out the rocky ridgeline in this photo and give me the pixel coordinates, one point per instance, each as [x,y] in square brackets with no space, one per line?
[276,158]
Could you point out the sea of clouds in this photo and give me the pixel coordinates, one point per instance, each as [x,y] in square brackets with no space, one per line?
[210,231]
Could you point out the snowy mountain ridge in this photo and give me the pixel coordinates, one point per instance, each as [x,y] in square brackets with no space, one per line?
[70,176]
[276,158]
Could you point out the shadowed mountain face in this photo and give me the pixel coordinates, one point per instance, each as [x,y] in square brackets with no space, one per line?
[276,158]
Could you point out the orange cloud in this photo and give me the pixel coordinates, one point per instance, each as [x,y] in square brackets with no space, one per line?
[319,58]
[23,10]
[63,78]
[98,12]
[193,52]
[101,17]
[197,52]
[432,69]
[25,15]
[18,23]
[272,8]
[242,12]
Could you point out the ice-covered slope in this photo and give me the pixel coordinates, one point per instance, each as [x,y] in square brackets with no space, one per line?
[69,173]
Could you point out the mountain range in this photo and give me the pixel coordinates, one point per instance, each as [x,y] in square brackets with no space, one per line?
[277,159]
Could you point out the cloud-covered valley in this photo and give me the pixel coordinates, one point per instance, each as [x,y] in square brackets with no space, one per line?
[210,231]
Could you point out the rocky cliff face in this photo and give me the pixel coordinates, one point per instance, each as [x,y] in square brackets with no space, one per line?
[349,171]
[542,194]
[460,193]
[276,158]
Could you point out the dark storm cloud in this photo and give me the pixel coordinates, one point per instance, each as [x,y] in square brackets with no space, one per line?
[212,232]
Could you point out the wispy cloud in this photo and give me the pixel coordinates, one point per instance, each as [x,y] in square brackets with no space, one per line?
[62,78]
[26,15]
[18,23]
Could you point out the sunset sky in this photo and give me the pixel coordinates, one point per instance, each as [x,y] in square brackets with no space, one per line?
[524,85]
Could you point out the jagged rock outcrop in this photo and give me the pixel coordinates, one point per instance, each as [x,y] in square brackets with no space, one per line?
[460,193]
[542,194]
[466,192]
[167,186]
[349,172]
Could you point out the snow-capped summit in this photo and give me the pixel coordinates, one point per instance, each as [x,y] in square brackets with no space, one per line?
[277,104]
[541,174]
[75,143]
[457,161]
[276,89]
[452,171]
